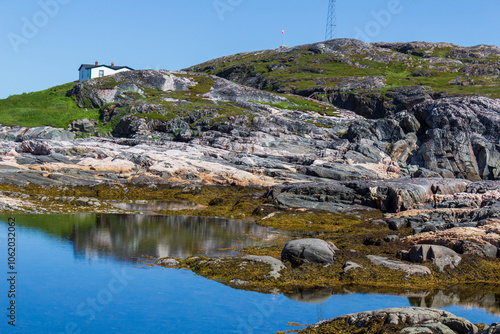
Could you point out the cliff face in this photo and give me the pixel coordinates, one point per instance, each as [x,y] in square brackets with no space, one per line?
[421,101]
[403,112]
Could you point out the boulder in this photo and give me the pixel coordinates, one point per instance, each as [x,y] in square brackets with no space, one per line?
[397,223]
[438,255]
[83,126]
[469,247]
[390,195]
[35,147]
[391,238]
[455,238]
[309,251]
[48,133]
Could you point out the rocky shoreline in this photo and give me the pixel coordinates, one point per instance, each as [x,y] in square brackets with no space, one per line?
[409,320]
[405,200]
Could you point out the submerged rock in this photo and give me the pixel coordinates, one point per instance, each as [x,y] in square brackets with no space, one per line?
[168,262]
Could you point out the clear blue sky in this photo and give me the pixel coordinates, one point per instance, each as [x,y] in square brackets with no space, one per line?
[168,34]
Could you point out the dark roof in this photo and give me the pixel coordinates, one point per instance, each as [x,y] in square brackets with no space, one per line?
[87,66]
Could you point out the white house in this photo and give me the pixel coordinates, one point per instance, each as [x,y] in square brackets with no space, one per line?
[95,71]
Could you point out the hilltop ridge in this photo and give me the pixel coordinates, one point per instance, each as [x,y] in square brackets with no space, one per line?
[372,79]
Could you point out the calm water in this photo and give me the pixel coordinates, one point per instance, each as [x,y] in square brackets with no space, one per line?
[87,274]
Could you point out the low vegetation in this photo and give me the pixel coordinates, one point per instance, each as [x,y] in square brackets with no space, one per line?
[303,71]
[50,107]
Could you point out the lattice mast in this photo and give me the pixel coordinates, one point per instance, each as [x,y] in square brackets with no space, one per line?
[331,22]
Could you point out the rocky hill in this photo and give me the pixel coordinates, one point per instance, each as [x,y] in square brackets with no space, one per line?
[418,122]
[404,132]
[374,80]
[433,104]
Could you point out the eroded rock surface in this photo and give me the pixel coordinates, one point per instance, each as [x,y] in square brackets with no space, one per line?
[409,269]
[403,320]
[275,264]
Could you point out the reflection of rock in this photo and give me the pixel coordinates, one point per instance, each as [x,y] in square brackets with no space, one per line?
[439,300]
[309,250]
[320,295]
[128,237]
[150,208]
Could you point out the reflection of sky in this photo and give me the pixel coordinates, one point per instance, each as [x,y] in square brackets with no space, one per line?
[52,284]
[474,315]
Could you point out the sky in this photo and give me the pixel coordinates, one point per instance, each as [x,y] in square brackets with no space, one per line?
[44,42]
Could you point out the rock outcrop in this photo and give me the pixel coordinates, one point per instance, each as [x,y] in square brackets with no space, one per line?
[459,136]
[275,264]
[411,124]
[409,269]
[387,195]
[409,320]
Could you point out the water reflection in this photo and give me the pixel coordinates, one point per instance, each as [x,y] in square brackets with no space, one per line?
[486,296]
[315,296]
[130,237]
[442,299]
[151,208]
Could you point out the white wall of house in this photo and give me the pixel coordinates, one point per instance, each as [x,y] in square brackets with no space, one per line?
[99,71]
[96,72]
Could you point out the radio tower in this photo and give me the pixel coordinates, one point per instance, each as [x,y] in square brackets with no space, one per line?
[331,22]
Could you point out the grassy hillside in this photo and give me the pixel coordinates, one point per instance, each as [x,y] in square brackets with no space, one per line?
[52,107]
[305,69]
[48,107]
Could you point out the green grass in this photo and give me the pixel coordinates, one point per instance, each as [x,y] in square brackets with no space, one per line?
[49,107]
[303,71]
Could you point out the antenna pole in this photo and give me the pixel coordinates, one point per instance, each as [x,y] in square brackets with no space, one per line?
[331,21]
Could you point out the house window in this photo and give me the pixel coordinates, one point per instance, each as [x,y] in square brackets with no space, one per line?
[101,73]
